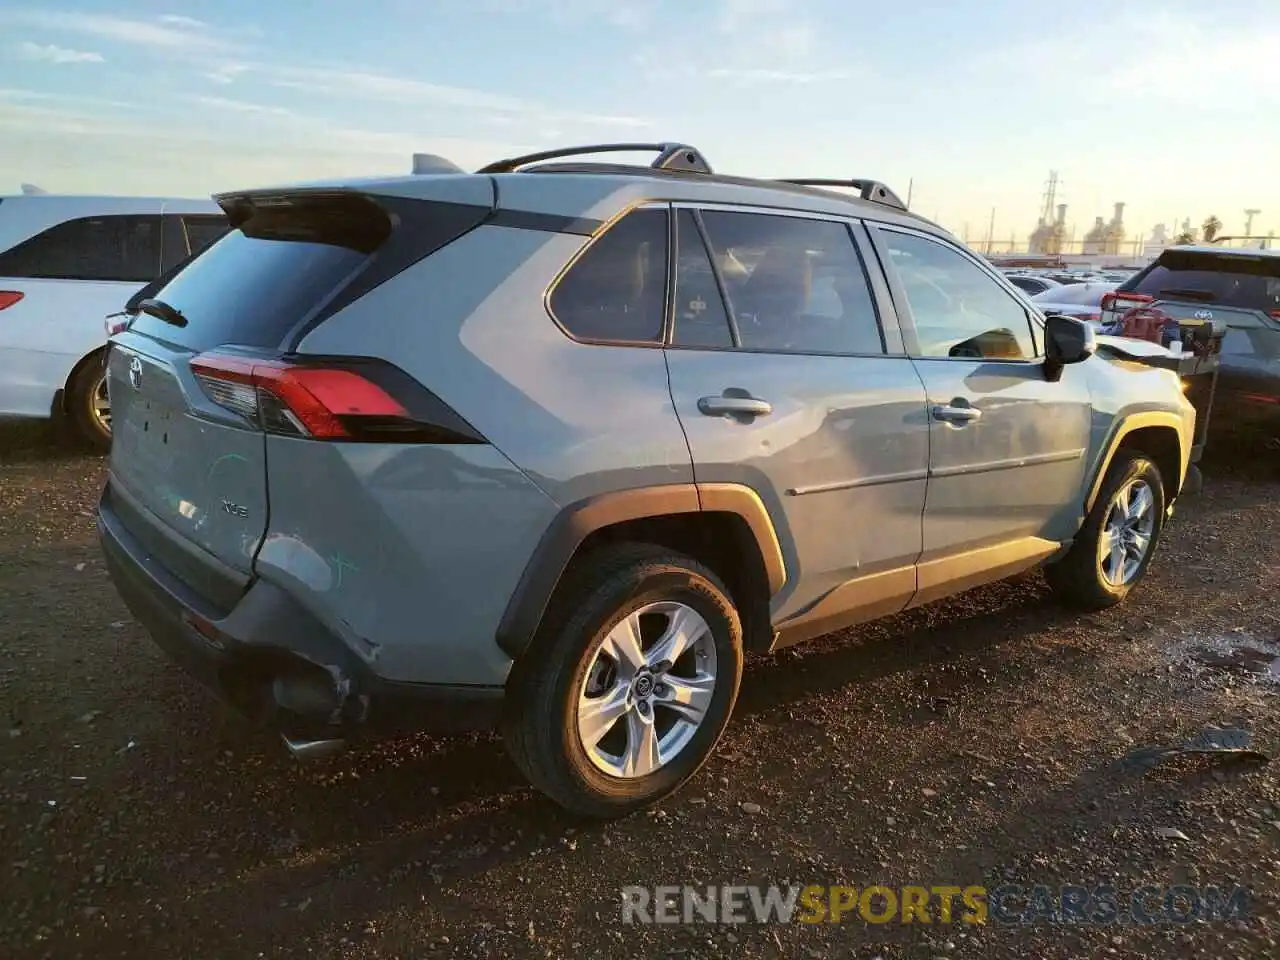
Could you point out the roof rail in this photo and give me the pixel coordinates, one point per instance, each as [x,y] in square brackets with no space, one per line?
[872,190]
[671,156]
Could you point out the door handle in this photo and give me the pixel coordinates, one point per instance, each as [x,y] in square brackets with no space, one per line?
[735,406]
[950,413]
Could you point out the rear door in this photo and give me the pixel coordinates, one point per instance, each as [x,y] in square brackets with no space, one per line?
[1007,447]
[785,382]
[188,470]
[55,288]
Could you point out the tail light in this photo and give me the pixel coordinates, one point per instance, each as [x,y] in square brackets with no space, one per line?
[1121,300]
[9,297]
[116,323]
[352,400]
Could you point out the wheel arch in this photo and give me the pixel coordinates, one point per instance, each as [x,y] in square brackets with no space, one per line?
[726,526]
[1157,434]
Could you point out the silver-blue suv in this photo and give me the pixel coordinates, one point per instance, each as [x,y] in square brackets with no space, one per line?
[548,447]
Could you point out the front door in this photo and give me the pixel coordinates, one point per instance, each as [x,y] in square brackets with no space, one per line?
[1007,447]
[782,382]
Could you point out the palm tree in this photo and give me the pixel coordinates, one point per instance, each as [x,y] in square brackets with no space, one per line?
[1211,227]
[1184,237]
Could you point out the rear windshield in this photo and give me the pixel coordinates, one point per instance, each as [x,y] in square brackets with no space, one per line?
[255,284]
[1249,283]
[1080,294]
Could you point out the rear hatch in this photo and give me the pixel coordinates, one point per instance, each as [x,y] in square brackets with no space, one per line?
[1202,285]
[1235,289]
[197,378]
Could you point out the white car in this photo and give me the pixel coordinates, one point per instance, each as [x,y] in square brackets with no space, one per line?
[66,262]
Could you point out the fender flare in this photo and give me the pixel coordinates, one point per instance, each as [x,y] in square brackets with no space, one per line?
[1131,423]
[578,521]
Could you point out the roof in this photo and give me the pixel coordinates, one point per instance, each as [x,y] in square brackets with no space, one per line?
[599,191]
[1222,251]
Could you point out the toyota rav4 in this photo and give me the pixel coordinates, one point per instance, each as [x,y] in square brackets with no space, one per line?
[548,447]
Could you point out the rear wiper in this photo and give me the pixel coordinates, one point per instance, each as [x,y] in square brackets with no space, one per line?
[162,311]
[1206,295]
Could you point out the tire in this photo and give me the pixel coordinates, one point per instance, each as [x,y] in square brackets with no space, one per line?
[1081,577]
[83,397]
[569,661]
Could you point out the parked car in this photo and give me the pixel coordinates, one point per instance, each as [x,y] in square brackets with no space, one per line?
[1030,284]
[1238,287]
[547,447]
[1080,300]
[65,263]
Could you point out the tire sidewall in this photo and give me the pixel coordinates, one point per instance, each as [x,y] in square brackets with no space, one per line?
[607,608]
[83,388]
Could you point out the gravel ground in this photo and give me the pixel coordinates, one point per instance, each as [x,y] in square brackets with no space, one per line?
[977,741]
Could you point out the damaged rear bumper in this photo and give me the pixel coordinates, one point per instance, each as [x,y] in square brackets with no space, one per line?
[275,662]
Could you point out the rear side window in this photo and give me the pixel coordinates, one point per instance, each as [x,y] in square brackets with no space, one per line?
[202,231]
[121,247]
[260,280]
[1242,282]
[700,317]
[617,290]
[794,285]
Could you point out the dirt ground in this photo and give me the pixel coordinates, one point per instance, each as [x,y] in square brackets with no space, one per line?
[979,741]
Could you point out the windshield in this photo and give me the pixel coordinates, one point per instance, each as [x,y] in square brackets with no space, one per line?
[1228,280]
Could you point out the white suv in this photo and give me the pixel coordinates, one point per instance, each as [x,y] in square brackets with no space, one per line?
[66,262]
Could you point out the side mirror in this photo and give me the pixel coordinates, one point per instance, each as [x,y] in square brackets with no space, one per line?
[1066,340]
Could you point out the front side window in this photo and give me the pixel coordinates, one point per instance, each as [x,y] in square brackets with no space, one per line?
[960,311]
[794,285]
[617,289]
[123,247]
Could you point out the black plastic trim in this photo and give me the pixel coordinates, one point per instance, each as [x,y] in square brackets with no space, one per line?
[528,603]
[545,222]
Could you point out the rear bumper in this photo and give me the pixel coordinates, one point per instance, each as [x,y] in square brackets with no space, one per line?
[268,637]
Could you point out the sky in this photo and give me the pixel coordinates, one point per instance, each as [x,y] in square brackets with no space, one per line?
[1172,106]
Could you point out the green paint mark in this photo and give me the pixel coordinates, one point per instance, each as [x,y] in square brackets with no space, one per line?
[340,564]
[218,462]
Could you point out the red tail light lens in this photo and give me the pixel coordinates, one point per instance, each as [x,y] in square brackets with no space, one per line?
[9,297]
[371,401]
[116,323]
[1124,301]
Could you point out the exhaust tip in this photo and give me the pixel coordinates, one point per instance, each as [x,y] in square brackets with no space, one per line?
[304,749]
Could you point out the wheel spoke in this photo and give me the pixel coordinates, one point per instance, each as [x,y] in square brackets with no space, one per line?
[684,629]
[642,756]
[623,645]
[1139,542]
[690,697]
[597,715]
[1116,576]
[1122,501]
[1140,503]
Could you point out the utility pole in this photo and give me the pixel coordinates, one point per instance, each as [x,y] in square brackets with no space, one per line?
[1248,221]
[991,229]
[910,184]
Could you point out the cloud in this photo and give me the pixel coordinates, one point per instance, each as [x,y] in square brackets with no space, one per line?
[635,15]
[55,54]
[244,106]
[159,34]
[360,85]
[181,21]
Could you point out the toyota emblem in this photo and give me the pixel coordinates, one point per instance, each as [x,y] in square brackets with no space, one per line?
[1204,314]
[135,373]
